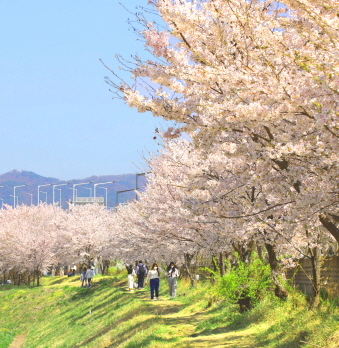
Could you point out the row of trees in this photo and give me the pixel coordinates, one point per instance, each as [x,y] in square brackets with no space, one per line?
[33,238]
[254,85]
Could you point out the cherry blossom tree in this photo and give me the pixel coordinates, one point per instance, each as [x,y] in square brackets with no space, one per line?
[88,231]
[255,82]
[28,237]
[251,70]
[35,237]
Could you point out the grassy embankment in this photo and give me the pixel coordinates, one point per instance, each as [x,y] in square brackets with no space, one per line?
[57,314]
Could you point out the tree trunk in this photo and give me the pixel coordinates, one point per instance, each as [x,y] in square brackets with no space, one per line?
[330,226]
[188,258]
[37,277]
[279,290]
[105,266]
[245,304]
[215,269]
[214,263]
[316,273]
[260,252]
[229,263]
[222,263]
[244,250]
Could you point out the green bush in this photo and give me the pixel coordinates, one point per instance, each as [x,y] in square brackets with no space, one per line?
[245,284]
[115,269]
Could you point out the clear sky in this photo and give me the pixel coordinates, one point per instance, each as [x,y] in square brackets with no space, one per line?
[58,118]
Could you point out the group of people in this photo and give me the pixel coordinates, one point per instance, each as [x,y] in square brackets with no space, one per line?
[87,275]
[153,277]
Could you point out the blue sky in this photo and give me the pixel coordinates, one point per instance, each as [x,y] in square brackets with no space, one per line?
[58,118]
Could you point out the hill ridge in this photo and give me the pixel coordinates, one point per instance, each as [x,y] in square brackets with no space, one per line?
[29,194]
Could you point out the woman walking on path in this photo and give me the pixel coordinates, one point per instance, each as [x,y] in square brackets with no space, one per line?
[83,277]
[153,276]
[130,277]
[172,274]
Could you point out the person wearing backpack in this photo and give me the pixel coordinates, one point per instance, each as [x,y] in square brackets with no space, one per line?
[141,272]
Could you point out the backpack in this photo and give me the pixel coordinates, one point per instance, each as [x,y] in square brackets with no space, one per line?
[141,271]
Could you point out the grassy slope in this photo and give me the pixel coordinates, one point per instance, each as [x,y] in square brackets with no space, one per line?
[57,315]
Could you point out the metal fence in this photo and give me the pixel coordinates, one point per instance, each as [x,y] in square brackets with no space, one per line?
[301,276]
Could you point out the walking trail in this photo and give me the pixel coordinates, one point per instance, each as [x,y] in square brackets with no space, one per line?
[18,341]
[217,338]
[184,321]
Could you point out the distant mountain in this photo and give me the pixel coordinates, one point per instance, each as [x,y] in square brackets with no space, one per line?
[29,194]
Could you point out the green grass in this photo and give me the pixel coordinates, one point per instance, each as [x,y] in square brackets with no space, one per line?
[57,314]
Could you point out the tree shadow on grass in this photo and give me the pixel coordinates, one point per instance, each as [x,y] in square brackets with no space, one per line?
[283,341]
[147,341]
[57,281]
[241,341]
[123,336]
[96,289]
[111,304]
[277,332]
[156,309]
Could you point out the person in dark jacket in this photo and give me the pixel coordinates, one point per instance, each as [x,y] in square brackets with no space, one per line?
[83,277]
[141,272]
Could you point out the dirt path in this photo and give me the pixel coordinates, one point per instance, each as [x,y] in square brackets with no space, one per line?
[187,322]
[18,341]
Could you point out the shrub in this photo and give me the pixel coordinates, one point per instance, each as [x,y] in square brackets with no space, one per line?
[246,283]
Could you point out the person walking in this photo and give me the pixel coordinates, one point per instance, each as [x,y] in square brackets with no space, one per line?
[141,272]
[130,277]
[172,274]
[83,277]
[153,276]
[89,276]
[92,265]
[74,269]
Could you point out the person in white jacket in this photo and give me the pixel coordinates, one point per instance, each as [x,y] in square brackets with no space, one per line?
[172,274]
[130,277]
[153,276]
[89,276]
